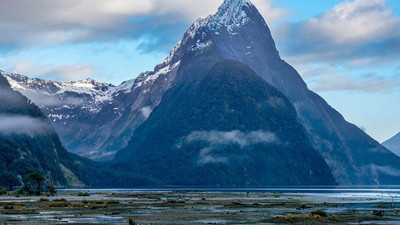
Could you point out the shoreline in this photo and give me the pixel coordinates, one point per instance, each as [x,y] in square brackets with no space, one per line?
[107,206]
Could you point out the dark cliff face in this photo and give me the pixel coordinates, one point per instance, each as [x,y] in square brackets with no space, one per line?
[29,142]
[225,126]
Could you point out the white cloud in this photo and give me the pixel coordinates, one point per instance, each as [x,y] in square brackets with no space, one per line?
[191,10]
[269,12]
[368,83]
[232,137]
[388,170]
[354,22]
[42,22]
[21,124]
[145,111]
[309,71]
[42,99]
[215,139]
[70,72]
[357,33]
[205,157]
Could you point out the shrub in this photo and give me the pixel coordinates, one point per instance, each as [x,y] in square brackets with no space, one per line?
[379,213]
[112,202]
[96,206]
[83,194]
[319,212]
[131,222]
[58,204]
[3,191]
[8,207]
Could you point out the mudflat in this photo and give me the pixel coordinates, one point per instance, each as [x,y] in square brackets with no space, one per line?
[200,207]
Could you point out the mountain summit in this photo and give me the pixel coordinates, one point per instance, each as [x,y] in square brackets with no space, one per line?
[237,32]
[168,124]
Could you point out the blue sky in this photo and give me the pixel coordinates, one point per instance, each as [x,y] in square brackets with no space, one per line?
[347,51]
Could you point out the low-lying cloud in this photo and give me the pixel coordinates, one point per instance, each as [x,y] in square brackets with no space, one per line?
[216,139]
[388,170]
[21,124]
[41,99]
[146,111]
[232,137]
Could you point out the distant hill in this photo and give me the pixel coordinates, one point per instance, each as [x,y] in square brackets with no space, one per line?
[393,144]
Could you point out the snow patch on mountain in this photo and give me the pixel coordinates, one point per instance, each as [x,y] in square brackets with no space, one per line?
[230,15]
[148,77]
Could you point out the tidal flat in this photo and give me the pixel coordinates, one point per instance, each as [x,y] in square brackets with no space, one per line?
[203,207]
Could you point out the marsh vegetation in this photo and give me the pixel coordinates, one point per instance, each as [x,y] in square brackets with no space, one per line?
[195,207]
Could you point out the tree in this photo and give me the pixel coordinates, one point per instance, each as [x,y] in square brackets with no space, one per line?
[34,182]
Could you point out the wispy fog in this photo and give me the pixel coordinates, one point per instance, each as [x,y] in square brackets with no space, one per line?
[232,137]
[145,111]
[388,170]
[51,100]
[19,124]
[205,157]
[215,139]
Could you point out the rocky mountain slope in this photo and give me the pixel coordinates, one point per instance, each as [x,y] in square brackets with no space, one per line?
[238,32]
[71,107]
[77,109]
[29,142]
[223,125]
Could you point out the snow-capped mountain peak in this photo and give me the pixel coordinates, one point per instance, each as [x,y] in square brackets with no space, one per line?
[231,14]
[76,108]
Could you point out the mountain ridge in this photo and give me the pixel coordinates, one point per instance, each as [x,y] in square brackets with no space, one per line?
[28,141]
[238,32]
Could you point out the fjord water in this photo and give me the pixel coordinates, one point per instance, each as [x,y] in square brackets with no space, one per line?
[224,79]
[361,190]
